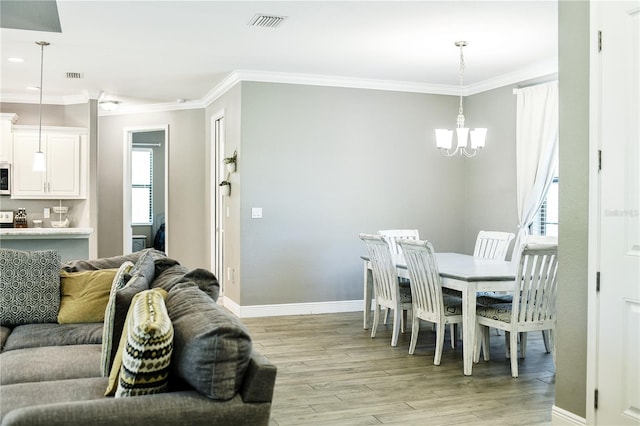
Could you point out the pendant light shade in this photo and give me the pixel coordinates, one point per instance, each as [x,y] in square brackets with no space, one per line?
[39,161]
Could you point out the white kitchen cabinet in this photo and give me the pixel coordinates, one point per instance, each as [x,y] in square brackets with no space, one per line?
[65,150]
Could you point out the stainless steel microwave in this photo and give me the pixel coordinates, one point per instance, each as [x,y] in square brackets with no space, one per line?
[5,178]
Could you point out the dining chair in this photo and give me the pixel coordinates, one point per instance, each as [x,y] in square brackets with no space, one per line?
[394,235]
[428,301]
[533,307]
[388,293]
[492,244]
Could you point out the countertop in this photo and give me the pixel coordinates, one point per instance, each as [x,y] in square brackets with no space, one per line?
[44,233]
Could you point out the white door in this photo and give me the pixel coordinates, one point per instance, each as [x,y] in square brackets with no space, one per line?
[618,358]
[218,174]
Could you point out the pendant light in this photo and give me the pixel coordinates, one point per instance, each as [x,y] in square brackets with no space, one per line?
[444,137]
[39,161]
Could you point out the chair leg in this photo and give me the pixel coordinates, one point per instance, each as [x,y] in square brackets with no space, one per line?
[415,329]
[523,344]
[376,318]
[439,343]
[452,331]
[486,343]
[386,315]
[513,348]
[397,318]
[477,345]
[403,321]
[507,344]
[545,339]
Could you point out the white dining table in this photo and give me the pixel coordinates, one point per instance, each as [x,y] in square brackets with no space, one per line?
[462,272]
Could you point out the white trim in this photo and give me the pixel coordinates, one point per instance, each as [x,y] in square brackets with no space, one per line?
[593,249]
[292,308]
[561,417]
[536,70]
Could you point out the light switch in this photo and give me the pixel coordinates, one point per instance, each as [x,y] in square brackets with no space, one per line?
[47,212]
[256,212]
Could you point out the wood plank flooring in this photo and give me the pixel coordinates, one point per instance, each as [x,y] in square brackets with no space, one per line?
[331,372]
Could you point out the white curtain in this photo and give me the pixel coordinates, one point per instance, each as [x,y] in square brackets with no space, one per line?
[536,151]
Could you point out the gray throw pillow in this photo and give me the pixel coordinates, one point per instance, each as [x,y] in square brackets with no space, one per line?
[211,347]
[122,292]
[29,286]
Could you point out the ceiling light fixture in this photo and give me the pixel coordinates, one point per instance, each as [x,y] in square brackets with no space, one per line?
[109,105]
[444,137]
[16,60]
[39,163]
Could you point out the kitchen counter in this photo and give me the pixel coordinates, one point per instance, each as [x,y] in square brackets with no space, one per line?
[71,243]
[44,233]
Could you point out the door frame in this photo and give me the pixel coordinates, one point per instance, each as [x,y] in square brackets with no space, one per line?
[127,233]
[216,208]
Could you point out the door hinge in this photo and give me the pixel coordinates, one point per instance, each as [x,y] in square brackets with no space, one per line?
[599,41]
[595,399]
[598,282]
[599,160]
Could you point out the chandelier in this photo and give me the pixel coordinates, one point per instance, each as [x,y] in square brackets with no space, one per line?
[444,137]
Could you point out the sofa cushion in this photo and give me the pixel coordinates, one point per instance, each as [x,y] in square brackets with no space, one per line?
[211,347]
[141,366]
[53,334]
[4,334]
[109,262]
[49,363]
[169,273]
[84,295]
[122,293]
[29,286]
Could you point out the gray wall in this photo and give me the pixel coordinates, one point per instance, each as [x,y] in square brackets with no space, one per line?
[571,331]
[490,177]
[187,214]
[328,163]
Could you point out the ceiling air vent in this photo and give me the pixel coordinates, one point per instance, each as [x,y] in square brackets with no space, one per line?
[268,21]
[74,75]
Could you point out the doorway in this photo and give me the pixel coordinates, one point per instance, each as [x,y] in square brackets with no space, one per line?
[217,199]
[145,192]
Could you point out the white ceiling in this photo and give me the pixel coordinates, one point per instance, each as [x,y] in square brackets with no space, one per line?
[155,52]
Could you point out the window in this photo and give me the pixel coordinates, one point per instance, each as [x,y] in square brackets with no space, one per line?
[141,186]
[546,221]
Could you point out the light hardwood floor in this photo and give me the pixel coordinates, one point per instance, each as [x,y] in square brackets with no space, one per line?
[331,372]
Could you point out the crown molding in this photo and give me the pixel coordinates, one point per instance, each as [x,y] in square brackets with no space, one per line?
[538,70]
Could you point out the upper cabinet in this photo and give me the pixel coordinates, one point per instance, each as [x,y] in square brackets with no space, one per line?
[65,149]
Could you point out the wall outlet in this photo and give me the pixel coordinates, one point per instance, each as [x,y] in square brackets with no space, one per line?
[230,275]
[47,212]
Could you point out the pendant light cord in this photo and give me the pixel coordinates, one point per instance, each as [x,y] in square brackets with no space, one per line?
[42,45]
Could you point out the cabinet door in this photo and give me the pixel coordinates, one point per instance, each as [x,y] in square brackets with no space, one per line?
[26,182]
[63,165]
[62,178]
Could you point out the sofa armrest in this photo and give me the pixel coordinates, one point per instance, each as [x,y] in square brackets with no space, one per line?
[259,380]
[186,407]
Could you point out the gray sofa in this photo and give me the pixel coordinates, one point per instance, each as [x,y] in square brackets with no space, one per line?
[52,374]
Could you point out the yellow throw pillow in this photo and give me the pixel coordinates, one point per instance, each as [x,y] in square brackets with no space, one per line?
[84,295]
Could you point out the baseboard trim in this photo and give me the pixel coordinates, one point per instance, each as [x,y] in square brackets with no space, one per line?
[252,311]
[563,417]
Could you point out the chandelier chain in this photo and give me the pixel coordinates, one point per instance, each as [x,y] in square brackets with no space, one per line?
[461,73]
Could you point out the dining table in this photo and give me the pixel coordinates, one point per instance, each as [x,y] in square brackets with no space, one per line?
[465,273]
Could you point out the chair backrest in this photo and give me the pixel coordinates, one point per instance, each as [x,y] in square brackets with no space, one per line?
[393,235]
[424,278]
[492,245]
[385,275]
[536,284]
